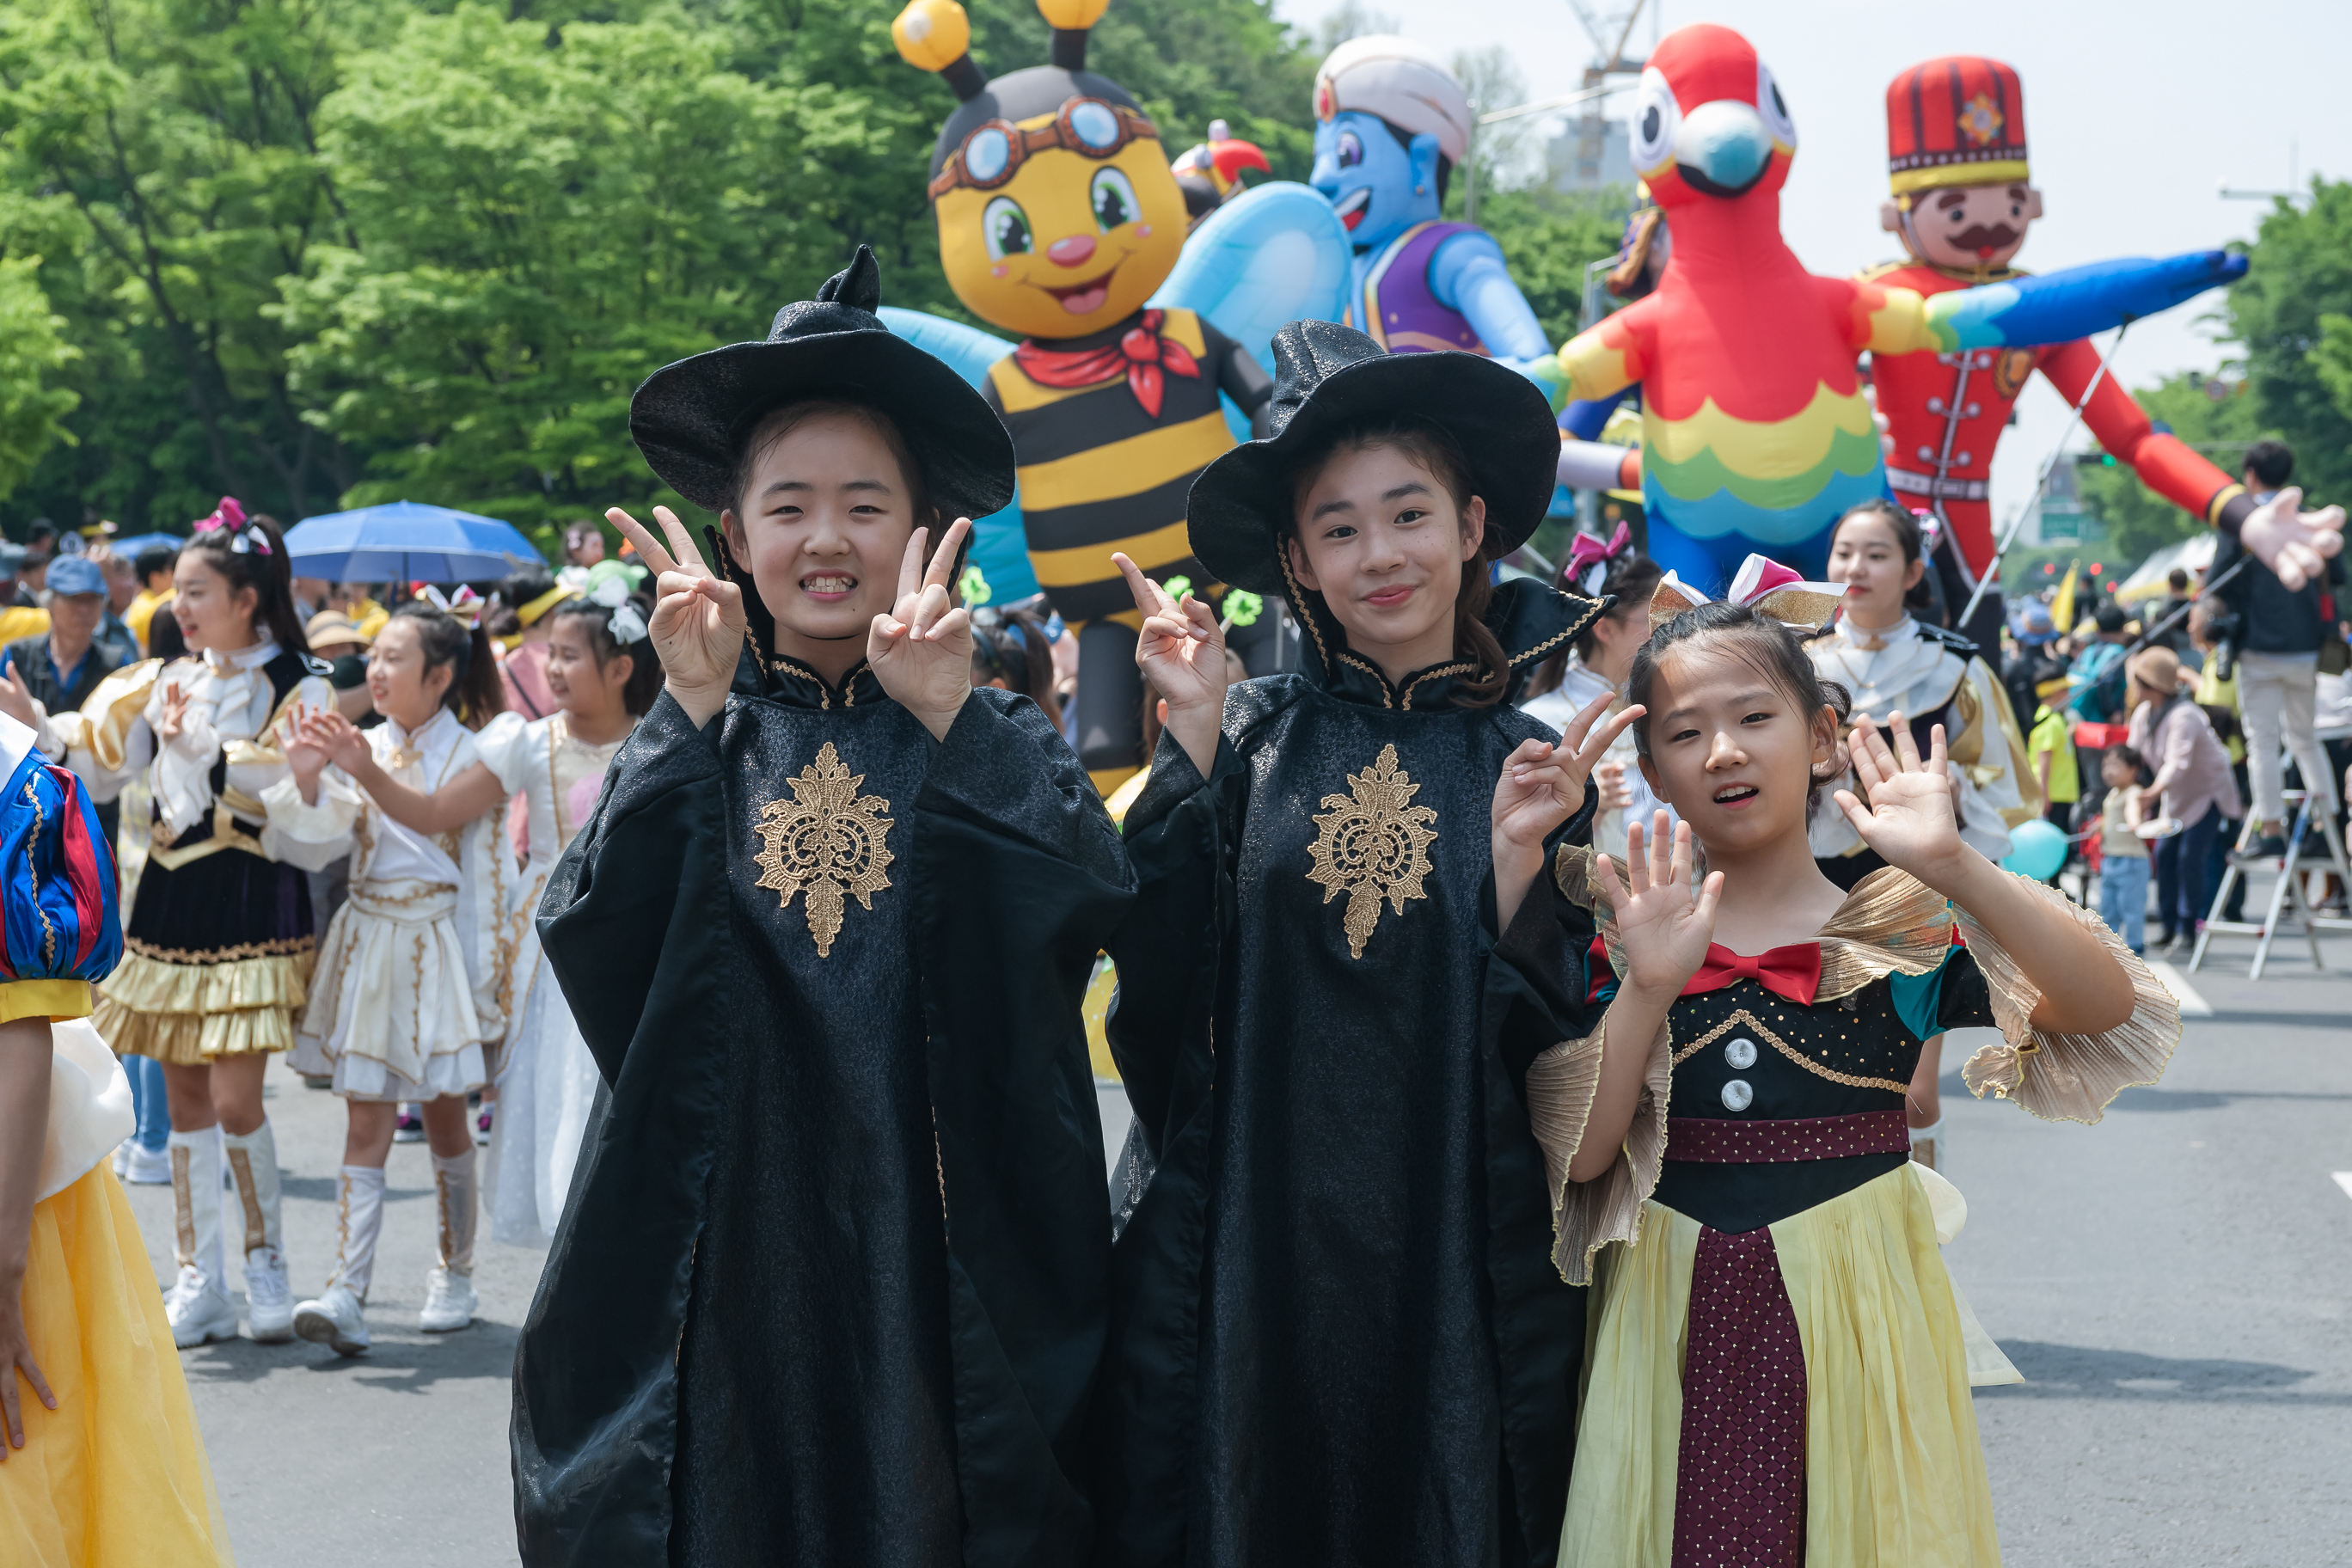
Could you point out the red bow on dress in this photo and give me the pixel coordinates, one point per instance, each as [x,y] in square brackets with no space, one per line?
[1794,972]
[1141,353]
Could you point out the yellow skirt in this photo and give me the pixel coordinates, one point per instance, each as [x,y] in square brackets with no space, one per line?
[116,1475]
[187,1014]
[1894,1475]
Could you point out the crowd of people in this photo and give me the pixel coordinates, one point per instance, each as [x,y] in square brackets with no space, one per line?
[782,854]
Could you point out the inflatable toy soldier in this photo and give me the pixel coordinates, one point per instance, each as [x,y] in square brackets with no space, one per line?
[1962,203]
[1058,217]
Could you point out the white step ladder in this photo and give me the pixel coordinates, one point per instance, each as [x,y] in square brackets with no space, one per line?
[2288,896]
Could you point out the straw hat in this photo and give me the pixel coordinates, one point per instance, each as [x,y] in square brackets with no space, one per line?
[2157,669]
[329,628]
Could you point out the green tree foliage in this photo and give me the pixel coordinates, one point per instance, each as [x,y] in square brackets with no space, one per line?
[2134,522]
[33,351]
[2290,311]
[326,252]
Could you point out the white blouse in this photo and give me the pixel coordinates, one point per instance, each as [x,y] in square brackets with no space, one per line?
[1558,707]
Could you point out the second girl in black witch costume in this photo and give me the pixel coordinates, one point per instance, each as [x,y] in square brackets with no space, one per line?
[1334,1338]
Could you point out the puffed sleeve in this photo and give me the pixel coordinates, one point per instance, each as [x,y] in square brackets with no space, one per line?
[505,746]
[60,928]
[2059,1076]
[312,837]
[107,740]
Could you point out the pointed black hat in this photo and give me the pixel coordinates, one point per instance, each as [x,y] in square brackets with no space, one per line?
[1328,379]
[690,418]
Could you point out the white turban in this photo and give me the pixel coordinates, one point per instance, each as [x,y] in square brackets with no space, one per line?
[1403,83]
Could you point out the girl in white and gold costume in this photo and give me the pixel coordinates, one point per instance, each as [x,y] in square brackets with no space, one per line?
[1889,662]
[409,1001]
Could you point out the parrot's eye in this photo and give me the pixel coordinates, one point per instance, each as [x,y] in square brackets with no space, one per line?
[1351,150]
[1006,229]
[1656,118]
[1113,199]
[1773,107]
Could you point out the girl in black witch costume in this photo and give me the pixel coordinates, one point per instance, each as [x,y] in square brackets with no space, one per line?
[1334,1338]
[1778,1370]
[829,1289]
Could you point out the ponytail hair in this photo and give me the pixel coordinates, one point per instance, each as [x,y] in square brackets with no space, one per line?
[251,553]
[645,666]
[475,693]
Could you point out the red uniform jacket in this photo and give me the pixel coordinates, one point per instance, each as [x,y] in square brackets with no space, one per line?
[1947,412]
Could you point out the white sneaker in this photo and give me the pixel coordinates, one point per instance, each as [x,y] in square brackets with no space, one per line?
[198,1310]
[268,1302]
[145,1167]
[449,1303]
[122,1158]
[334,1318]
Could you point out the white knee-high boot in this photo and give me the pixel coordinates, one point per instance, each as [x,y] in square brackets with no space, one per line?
[268,1302]
[359,1219]
[198,1305]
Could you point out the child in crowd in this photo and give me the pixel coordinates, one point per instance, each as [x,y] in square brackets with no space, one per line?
[1333,1336]
[2123,852]
[831,1285]
[1889,660]
[409,993]
[600,671]
[100,1463]
[221,942]
[1597,664]
[1780,1368]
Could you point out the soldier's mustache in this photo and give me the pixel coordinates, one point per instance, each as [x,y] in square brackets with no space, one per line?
[1984,236]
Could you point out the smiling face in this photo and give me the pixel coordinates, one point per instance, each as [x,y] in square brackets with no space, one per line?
[211,612]
[1068,245]
[822,521]
[1730,747]
[1370,177]
[1868,559]
[1965,227]
[403,688]
[580,684]
[1380,538]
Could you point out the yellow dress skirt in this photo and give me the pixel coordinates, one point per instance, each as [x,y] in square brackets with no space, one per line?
[1894,1475]
[115,1477]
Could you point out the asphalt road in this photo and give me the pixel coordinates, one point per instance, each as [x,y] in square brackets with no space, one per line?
[2176,1284]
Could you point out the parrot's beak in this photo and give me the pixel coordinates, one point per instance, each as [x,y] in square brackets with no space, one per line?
[1723,148]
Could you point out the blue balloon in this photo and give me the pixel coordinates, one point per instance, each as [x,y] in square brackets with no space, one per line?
[2036,849]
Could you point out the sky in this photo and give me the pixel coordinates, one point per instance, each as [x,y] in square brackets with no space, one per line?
[2134,117]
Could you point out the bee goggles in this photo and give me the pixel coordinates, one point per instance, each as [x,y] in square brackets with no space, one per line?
[995,150]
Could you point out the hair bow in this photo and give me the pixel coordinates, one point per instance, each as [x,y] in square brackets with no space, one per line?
[1588,557]
[624,623]
[244,537]
[465,604]
[1765,586]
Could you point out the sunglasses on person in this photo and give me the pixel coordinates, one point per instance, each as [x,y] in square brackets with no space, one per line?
[995,149]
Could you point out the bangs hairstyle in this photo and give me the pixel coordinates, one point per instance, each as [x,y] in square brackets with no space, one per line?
[1630,580]
[1761,643]
[764,432]
[645,666]
[475,693]
[269,575]
[1907,536]
[1434,450]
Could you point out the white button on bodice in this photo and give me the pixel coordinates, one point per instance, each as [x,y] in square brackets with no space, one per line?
[1741,1053]
[1737,1095]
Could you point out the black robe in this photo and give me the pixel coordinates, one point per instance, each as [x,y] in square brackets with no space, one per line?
[1337,1333]
[830,1288]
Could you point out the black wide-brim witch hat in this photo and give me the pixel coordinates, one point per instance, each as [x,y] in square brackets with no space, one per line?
[690,418]
[1328,379]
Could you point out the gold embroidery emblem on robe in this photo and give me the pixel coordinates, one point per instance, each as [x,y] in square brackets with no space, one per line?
[826,841]
[1373,844]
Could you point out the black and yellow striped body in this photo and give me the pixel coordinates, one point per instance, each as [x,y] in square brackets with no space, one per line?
[1099,472]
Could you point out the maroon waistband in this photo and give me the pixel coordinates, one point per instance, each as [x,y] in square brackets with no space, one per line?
[1719,1141]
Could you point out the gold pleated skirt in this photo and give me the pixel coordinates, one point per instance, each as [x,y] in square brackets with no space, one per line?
[187,1014]
[1895,1474]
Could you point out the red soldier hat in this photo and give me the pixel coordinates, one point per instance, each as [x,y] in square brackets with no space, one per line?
[1959,121]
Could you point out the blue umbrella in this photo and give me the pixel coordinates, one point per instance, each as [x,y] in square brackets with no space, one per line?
[129,549]
[405,541]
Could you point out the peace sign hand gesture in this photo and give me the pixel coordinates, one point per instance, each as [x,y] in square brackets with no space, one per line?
[1909,820]
[1542,785]
[921,649]
[1181,652]
[697,623]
